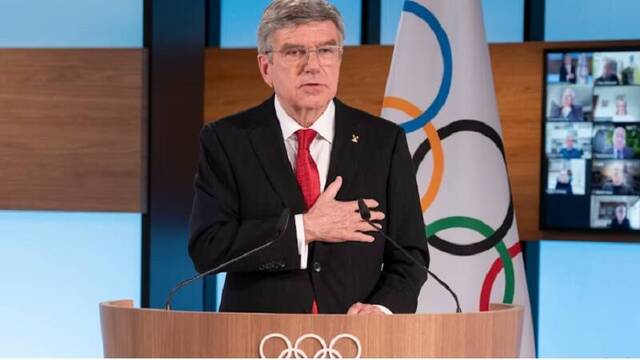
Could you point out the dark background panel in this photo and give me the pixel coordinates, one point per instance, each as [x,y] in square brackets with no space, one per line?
[175,36]
[570,212]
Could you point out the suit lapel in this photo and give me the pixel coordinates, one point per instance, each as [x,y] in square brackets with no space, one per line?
[268,144]
[346,147]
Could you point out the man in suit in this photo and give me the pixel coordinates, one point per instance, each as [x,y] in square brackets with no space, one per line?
[570,151]
[568,69]
[620,220]
[567,110]
[281,154]
[620,148]
[618,185]
[609,76]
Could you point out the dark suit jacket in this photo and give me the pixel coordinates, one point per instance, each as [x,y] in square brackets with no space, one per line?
[623,189]
[625,225]
[608,80]
[627,153]
[576,113]
[245,180]
[564,73]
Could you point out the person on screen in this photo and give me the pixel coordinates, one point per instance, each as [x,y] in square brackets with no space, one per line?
[630,72]
[620,148]
[620,220]
[567,110]
[617,185]
[583,70]
[568,69]
[563,182]
[279,155]
[622,113]
[609,76]
[570,151]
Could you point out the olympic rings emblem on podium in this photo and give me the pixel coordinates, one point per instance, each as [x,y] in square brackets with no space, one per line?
[293,351]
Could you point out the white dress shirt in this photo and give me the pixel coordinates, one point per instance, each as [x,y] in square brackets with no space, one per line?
[320,150]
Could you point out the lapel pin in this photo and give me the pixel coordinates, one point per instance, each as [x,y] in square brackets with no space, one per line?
[354,138]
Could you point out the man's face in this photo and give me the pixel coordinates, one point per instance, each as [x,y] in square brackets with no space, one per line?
[621,107]
[311,82]
[621,213]
[569,141]
[567,98]
[617,178]
[619,138]
[563,177]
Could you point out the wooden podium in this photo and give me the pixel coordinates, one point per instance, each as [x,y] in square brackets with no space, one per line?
[131,332]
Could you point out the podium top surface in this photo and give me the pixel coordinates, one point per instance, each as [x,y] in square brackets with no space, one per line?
[128,304]
[135,332]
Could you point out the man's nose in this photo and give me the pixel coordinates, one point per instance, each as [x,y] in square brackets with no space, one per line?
[312,61]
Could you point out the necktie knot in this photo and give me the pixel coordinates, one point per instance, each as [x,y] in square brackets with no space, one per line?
[305,137]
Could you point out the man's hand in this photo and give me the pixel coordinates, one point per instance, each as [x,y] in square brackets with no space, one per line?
[364,309]
[335,221]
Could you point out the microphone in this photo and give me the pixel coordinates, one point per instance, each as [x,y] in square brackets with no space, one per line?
[281,227]
[365,214]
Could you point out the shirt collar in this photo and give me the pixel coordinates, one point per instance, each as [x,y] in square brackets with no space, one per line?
[324,126]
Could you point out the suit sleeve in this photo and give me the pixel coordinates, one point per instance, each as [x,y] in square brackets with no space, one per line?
[219,233]
[401,280]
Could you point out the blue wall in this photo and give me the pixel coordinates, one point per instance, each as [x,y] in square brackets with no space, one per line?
[240,19]
[170,264]
[587,298]
[591,20]
[70,23]
[503,20]
[55,267]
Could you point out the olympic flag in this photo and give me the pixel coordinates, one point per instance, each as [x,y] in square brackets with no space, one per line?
[440,90]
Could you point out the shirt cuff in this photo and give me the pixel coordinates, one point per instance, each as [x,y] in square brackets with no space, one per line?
[303,248]
[384,309]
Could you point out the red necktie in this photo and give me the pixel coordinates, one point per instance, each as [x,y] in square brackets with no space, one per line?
[307,176]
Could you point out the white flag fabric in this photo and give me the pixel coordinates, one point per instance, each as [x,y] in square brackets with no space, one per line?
[440,90]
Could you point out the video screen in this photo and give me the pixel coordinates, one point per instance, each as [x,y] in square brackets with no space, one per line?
[616,141]
[615,177]
[569,103]
[591,161]
[616,103]
[570,68]
[615,212]
[568,140]
[616,68]
[566,177]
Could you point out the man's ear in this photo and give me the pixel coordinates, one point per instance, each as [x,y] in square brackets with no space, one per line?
[265,69]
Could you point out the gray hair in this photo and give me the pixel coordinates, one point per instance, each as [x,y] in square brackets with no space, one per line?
[570,91]
[288,13]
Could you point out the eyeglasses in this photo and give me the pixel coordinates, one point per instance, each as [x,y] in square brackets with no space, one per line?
[327,54]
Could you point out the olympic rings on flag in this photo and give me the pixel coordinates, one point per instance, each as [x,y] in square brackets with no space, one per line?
[425,15]
[490,241]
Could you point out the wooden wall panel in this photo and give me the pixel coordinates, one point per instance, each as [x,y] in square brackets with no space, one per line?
[233,83]
[72,129]
[517,76]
